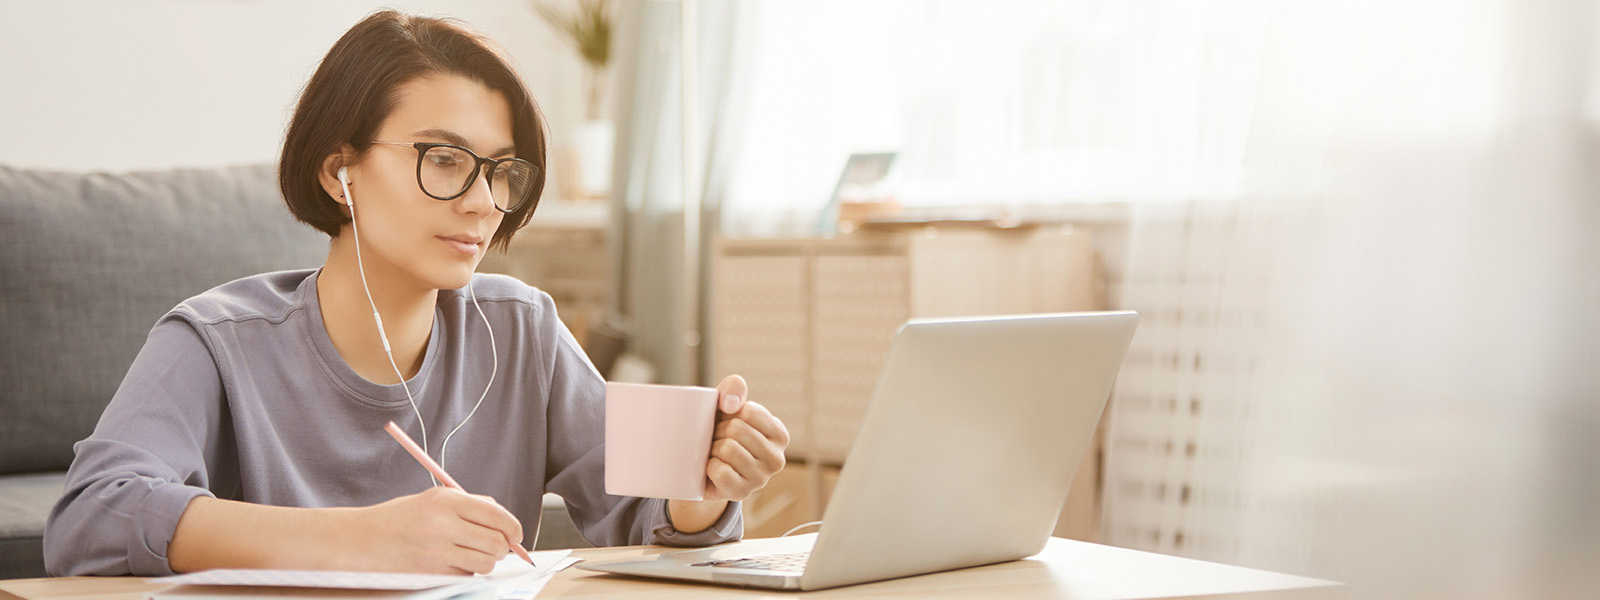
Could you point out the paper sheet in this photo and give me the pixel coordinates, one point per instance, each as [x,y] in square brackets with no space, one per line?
[528,585]
[544,563]
[315,579]
[511,577]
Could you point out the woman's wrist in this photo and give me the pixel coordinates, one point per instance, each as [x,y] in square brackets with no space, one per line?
[692,516]
[333,539]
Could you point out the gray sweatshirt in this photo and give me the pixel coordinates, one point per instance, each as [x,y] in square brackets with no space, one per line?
[239,394]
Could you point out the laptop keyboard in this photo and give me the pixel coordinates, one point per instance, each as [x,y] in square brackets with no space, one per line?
[795,562]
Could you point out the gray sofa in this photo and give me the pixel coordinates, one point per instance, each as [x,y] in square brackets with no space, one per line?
[88,262]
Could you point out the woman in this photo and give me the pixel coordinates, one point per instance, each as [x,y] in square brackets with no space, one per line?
[249,430]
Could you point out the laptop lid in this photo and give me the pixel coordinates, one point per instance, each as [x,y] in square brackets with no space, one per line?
[970,442]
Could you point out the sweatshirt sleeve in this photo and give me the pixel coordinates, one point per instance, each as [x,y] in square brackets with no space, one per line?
[132,479]
[576,456]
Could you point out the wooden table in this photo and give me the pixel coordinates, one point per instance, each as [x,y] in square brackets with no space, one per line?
[1066,569]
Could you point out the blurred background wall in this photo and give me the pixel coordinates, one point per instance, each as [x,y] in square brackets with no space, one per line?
[152,84]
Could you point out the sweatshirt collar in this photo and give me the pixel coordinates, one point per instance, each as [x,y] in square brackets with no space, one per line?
[339,371]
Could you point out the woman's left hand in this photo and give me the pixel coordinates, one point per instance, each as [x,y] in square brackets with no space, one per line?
[746,446]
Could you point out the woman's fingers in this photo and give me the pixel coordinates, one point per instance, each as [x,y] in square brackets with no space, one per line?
[471,560]
[484,511]
[438,530]
[731,394]
[737,456]
[751,443]
[728,483]
[747,444]
[486,533]
[755,426]
[483,540]
[757,416]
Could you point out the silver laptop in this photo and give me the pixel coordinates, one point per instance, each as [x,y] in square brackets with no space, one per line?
[972,437]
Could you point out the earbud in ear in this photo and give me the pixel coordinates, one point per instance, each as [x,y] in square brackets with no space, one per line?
[344,183]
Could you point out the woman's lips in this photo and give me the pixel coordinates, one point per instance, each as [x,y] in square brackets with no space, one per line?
[466,248]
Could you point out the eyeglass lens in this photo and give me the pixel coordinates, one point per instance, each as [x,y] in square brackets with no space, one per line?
[447,172]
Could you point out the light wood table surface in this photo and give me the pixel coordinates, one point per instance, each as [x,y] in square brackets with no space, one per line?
[1066,569]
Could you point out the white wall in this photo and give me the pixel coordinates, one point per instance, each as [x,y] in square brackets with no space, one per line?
[130,85]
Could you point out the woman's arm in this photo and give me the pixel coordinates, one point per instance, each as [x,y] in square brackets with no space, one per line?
[214,534]
[437,531]
[141,494]
[156,448]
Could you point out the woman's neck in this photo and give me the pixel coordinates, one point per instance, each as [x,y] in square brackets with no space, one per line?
[406,306]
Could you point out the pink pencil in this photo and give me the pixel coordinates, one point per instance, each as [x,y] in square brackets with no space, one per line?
[438,471]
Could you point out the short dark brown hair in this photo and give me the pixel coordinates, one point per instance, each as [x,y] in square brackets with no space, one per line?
[356,88]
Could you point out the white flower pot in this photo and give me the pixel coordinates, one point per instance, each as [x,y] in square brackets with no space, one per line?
[593,143]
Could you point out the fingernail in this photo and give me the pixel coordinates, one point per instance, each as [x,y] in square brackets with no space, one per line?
[731,403]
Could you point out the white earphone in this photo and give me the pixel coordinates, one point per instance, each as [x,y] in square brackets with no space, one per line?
[344,181]
[494,365]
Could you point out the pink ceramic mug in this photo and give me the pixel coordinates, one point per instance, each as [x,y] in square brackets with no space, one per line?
[658,439]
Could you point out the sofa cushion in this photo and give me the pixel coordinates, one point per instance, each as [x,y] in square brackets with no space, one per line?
[556,530]
[88,262]
[25,501]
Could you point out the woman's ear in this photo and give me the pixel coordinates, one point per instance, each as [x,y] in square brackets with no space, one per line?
[328,175]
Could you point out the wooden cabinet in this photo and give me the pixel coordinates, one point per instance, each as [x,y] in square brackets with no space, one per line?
[572,264]
[809,321]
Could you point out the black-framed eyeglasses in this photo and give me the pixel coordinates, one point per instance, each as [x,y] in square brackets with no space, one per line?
[446,171]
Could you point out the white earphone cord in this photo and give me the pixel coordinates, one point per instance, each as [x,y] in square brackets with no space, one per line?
[494,351]
[799,527]
[494,367]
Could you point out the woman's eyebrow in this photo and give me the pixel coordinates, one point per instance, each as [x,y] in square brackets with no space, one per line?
[457,139]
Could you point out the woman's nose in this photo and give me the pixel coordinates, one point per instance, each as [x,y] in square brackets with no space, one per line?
[479,198]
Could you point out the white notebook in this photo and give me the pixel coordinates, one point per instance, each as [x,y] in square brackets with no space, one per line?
[511,578]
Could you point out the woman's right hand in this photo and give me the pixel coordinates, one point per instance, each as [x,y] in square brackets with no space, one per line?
[440,530]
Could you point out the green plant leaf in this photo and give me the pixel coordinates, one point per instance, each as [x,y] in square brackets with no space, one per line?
[587,30]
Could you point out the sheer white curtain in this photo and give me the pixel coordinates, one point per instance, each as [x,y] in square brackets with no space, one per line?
[1364,259]
[976,96]
[647,190]
[997,105]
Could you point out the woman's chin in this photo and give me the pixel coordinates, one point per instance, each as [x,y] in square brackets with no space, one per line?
[454,277]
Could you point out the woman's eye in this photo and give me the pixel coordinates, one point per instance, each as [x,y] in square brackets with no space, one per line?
[443,158]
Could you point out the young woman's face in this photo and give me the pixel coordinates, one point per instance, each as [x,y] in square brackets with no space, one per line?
[436,243]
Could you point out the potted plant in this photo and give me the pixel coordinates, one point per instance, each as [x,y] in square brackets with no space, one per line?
[588,30]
